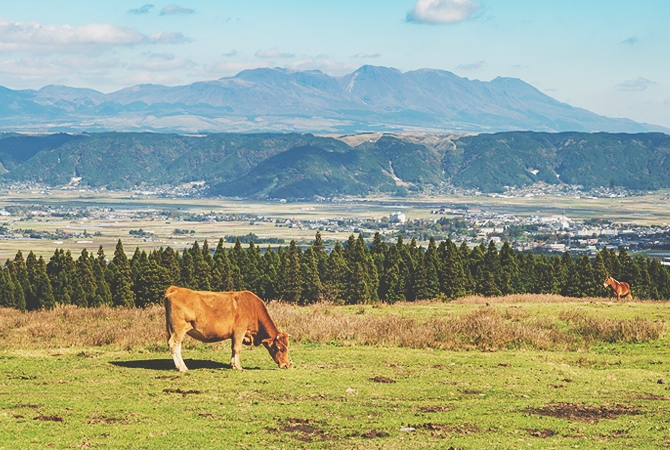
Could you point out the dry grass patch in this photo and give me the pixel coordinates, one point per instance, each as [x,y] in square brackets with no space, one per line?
[488,328]
[483,328]
[70,326]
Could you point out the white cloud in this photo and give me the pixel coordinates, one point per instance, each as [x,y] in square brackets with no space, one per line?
[366,55]
[45,69]
[227,68]
[472,66]
[442,11]
[168,38]
[174,9]
[667,102]
[231,53]
[35,37]
[141,10]
[147,78]
[635,85]
[164,65]
[162,55]
[273,53]
[631,40]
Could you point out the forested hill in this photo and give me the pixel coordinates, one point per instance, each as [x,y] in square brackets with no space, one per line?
[304,166]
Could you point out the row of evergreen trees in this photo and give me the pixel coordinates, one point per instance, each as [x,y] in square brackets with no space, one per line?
[353,273]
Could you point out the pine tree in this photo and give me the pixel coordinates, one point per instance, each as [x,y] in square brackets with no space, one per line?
[319,249]
[170,261]
[103,294]
[43,294]
[393,276]
[453,279]
[19,295]
[486,285]
[267,285]
[202,271]
[544,280]
[151,285]
[33,302]
[357,290]
[78,294]
[6,289]
[290,280]
[60,269]
[426,283]
[122,282]
[312,288]
[394,285]
[222,277]
[186,270]
[510,282]
[336,274]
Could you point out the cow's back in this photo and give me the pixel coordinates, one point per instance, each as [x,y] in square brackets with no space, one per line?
[213,314]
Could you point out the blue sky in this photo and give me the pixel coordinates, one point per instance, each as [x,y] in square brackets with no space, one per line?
[611,57]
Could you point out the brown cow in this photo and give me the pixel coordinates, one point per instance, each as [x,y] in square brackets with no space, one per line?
[619,288]
[216,316]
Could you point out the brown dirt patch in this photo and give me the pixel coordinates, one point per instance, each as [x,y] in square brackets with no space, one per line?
[504,364]
[471,391]
[448,428]
[168,377]
[53,418]
[650,397]
[434,408]
[544,434]
[583,413]
[372,434]
[105,419]
[382,380]
[27,405]
[306,429]
[183,393]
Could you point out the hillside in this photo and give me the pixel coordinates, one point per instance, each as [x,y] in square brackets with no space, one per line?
[265,100]
[304,166]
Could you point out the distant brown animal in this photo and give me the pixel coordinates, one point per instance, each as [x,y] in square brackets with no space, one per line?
[619,288]
[216,316]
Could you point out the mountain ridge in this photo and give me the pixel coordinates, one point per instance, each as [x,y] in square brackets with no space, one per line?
[291,165]
[370,99]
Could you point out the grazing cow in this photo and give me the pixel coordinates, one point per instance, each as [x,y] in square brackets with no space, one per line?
[216,316]
[619,288]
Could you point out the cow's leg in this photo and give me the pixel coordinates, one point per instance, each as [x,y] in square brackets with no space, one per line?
[174,342]
[236,344]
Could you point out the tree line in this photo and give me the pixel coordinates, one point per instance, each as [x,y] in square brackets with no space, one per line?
[353,273]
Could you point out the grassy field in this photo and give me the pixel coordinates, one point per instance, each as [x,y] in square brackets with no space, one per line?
[515,372]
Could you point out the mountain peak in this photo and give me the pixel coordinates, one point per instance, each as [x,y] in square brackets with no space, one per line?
[372,98]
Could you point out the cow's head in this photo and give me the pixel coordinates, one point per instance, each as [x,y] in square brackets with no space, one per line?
[278,348]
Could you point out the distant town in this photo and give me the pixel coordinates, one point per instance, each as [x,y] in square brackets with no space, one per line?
[458,222]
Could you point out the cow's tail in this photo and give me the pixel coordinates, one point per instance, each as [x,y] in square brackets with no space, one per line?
[169,328]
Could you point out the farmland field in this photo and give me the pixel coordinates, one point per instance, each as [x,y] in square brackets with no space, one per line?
[650,209]
[512,372]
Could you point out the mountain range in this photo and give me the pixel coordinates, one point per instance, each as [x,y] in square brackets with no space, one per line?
[296,166]
[371,99]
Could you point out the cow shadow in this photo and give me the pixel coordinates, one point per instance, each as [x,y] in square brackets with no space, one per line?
[168,364]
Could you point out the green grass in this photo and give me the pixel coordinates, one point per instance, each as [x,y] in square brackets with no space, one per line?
[110,398]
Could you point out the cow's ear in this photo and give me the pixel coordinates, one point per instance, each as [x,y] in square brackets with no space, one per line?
[267,341]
